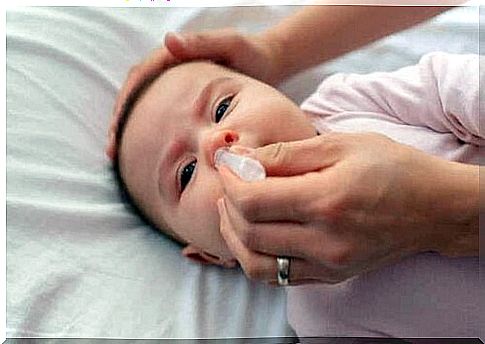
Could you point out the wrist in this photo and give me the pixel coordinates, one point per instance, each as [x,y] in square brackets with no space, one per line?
[456,210]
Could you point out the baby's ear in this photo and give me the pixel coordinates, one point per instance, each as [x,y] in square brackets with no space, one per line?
[198,255]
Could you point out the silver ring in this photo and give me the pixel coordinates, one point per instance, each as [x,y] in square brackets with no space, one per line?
[283,270]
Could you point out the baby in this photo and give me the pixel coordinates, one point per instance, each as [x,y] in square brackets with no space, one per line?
[168,140]
[174,124]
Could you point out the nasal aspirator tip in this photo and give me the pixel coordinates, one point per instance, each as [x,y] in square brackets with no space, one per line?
[246,168]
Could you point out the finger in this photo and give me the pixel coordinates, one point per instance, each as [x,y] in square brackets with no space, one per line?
[134,78]
[271,199]
[110,150]
[155,63]
[270,238]
[216,45]
[290,198]
[316,243]
[263,267]
[159,59]
[256,266]
[297,157]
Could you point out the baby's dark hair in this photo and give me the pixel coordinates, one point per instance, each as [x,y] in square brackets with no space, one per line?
[129,201]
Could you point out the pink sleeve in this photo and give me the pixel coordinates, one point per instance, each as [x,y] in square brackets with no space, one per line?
[441,92]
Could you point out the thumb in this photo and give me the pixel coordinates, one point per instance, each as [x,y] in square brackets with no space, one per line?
[298,157]
[215,45]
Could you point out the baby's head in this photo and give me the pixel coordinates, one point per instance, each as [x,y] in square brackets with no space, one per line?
[167,140]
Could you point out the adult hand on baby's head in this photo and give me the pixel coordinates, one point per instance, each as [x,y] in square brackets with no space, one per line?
[339,205]
[250,54]
[254,55]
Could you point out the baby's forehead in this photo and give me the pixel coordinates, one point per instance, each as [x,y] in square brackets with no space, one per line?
[200,69]
[184,80]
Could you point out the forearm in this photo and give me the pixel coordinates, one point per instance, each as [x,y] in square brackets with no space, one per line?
[319,33]
[456,210]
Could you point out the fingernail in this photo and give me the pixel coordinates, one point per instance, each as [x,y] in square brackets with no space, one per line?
[241,150]
[181,39]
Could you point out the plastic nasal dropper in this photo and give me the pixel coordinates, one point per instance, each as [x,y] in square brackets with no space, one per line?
[246,168]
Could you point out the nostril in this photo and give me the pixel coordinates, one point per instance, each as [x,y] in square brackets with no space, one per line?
[228,138]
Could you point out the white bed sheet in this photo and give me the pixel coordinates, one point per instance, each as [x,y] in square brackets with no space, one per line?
[79,264]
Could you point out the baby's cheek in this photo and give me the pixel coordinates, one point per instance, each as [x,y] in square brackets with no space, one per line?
[204,216]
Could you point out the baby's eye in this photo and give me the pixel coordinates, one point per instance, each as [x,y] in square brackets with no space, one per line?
[186,174]
[222,108]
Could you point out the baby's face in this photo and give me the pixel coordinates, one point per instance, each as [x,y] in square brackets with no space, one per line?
[167,154]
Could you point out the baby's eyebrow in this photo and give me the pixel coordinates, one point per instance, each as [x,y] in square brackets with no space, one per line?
[203,97]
